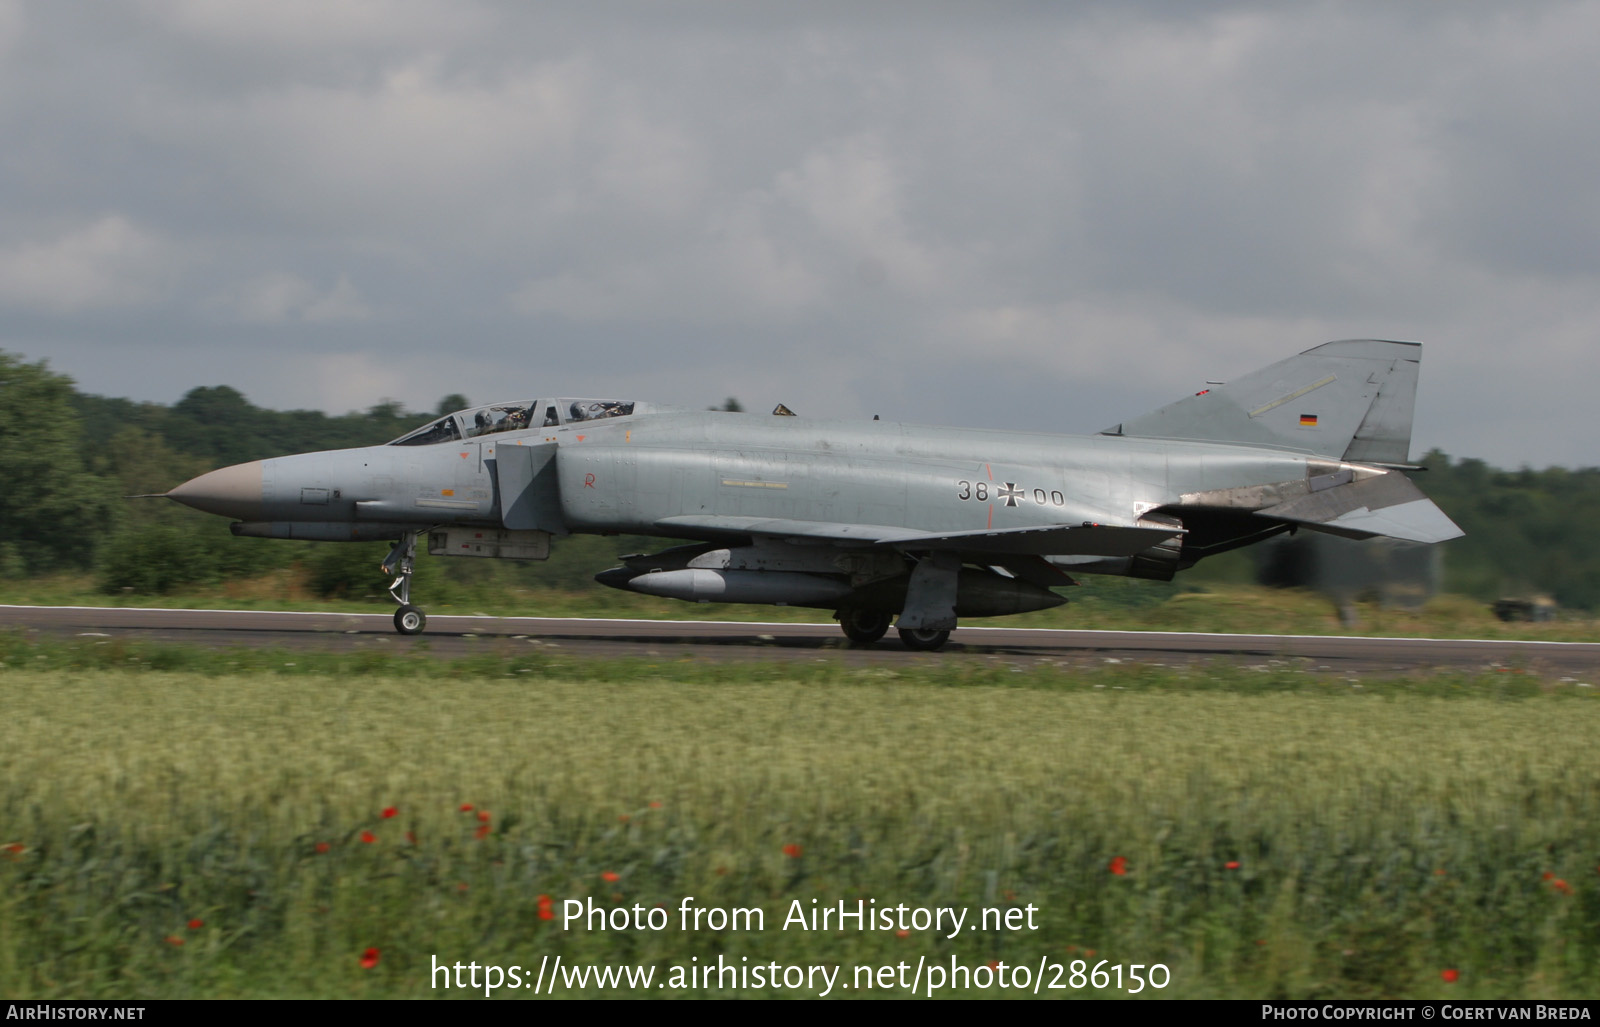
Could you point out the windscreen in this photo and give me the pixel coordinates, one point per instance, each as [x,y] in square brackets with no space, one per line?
[442,430]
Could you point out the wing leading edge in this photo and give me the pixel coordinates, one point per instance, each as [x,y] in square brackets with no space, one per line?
[1052,540]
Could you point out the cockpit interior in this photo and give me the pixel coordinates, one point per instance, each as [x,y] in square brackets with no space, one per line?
[513,416]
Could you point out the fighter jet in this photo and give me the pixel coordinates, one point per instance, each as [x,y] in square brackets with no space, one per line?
[882,523]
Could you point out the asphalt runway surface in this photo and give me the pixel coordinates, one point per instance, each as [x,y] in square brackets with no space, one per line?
[457,636]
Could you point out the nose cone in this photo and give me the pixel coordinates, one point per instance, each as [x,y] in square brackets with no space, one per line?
[230,491]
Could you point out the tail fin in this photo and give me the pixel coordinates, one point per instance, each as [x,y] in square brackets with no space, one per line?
[1350,400]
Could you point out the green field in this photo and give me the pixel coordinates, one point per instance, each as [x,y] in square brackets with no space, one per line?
[1282,834]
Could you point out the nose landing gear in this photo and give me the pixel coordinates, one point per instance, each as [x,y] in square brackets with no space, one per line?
[401,561]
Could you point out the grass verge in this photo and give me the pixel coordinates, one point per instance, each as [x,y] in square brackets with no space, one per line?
[186,823]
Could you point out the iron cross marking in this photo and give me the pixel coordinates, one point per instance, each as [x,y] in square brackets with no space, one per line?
[1011,493]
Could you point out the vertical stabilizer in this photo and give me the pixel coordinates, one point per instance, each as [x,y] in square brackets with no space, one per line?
[1349,400]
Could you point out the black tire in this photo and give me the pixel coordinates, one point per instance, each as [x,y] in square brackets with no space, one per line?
[924,640]
[864,627]
[408,620]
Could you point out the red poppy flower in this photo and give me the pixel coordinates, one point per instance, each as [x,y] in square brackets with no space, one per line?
[655,805]
[466,807]
[1119,865]
[368,837]
[174,941]
[369,959]
[411,836]
[1450,976]
[902,933]
[323,847]
[994,964]
[482,832]
[461,886]
[1232,864]
[1561,886]
[389,811]
[483,815]
[610,876]
[546,913]
[16,848]
[196,924]
[1548,874]
[624,818]
[792,850]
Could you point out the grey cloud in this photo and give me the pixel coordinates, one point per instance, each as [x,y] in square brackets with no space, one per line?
[1020,214]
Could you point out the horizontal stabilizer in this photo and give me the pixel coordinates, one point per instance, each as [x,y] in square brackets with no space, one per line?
[1385,504]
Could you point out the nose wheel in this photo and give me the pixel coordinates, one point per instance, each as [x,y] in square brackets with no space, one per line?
[408,620]
[401,562]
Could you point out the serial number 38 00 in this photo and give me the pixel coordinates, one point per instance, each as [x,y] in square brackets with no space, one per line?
[1010,492]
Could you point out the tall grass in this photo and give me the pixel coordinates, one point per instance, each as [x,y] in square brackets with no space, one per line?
[1280,835]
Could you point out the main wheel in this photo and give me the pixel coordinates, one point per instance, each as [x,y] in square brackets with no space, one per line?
[924,640]
[864,626]
[408,620]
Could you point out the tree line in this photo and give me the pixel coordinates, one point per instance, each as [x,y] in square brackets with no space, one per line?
[68,459]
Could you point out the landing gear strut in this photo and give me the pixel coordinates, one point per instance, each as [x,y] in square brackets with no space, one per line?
[401,561]
[930,609]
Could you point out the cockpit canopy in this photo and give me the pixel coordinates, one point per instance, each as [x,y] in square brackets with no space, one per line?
[513,416]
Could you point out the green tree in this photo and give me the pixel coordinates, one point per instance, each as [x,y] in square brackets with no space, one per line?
[54,510]
[451,403]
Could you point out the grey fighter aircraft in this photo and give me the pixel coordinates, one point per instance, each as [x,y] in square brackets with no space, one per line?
[881,522]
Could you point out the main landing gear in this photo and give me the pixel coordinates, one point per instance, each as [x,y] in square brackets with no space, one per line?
[924,640]
[864,627]
[401,561]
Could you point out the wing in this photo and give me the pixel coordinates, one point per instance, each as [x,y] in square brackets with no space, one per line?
[714,526]
[1053,540]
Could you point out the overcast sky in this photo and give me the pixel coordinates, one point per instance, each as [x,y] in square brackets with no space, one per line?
[1040,215]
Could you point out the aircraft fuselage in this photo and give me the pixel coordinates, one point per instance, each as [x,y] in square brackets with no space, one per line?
[871,518]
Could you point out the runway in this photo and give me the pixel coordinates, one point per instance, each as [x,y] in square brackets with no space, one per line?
[456,636]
